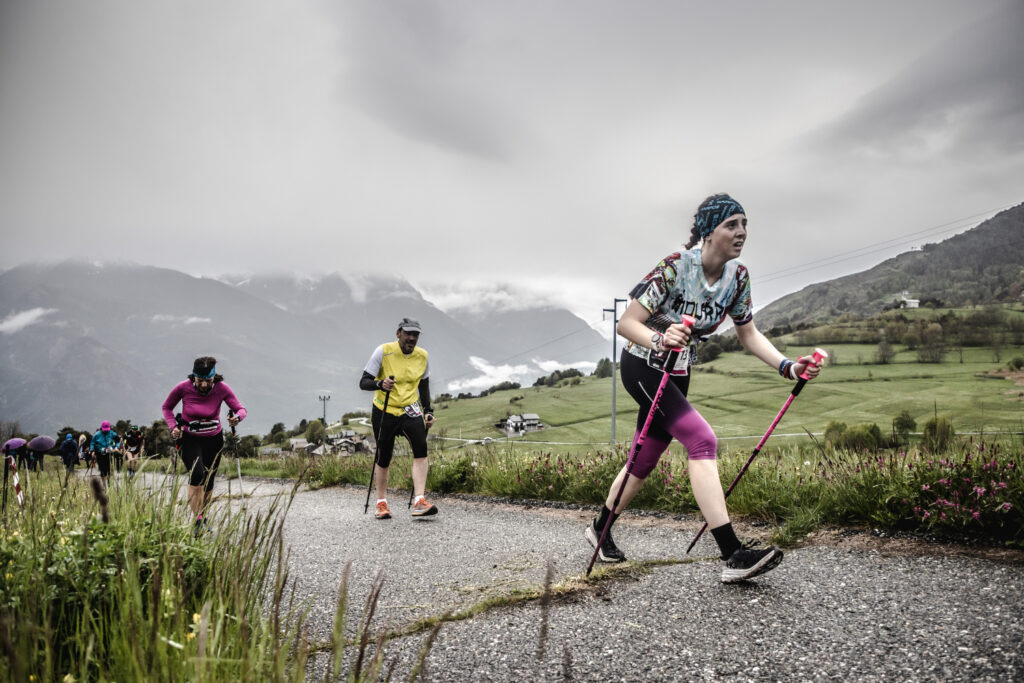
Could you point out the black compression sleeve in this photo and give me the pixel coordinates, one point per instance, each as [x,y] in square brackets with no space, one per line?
[425,394]
[368,382]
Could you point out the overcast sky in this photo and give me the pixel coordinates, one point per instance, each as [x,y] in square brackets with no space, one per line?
[553,146]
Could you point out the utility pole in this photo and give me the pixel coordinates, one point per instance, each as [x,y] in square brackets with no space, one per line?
[324,398]
[614,310]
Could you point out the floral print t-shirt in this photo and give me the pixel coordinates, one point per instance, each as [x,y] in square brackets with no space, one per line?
[677,287]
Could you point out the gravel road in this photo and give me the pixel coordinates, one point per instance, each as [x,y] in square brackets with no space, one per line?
[843,606]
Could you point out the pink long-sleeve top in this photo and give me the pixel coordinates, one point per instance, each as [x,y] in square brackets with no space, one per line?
[199,407]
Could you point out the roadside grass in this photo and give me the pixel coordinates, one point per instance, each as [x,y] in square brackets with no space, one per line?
[973,490]
[114,585]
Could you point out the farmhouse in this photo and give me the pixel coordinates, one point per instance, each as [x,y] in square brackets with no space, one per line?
[909,303]
[514,425]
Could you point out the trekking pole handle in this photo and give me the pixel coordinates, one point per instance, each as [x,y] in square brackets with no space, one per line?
[179,423]
[231,414]
[689,321]
[816,358]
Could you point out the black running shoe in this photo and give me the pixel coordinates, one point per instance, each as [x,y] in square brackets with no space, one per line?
[609,552]
[750,561]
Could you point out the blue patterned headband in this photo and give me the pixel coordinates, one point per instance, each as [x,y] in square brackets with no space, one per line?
[213,371]
[713,211]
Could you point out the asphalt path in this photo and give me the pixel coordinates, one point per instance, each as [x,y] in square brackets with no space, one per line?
[846,605]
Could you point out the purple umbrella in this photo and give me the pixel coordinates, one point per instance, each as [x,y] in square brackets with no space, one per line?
[41,443]
[12,444]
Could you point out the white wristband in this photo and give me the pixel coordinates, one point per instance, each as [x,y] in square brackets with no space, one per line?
[792,370]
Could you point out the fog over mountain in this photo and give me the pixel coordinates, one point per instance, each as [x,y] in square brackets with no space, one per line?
[80,343]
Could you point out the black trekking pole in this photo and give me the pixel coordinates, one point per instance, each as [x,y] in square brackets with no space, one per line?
[376,448]
[638,444]
[819,355]
[234,447]
[179,422]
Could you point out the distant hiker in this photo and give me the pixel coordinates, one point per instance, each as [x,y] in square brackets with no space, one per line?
[119,454]
[134,448]
[83,450]
[398,372]
[706,282]
[22,456]
[104,444]
[201,437]
[69,452]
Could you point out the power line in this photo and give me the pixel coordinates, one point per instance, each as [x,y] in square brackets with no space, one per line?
[877,246]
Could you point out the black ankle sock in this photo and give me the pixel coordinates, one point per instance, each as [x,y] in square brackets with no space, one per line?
[603,519]
[726,539]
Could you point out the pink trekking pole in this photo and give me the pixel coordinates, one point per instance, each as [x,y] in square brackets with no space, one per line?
[819,355]
[638,443]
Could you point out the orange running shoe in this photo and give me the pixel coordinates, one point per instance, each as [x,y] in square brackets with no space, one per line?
[422,508]
[383,511]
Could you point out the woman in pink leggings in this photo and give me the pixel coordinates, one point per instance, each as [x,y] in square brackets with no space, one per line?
[706,282]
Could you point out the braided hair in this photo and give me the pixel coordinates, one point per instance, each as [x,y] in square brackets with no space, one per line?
[694,237]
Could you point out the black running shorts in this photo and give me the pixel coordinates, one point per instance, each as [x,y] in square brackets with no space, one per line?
[201,455]
[387,426]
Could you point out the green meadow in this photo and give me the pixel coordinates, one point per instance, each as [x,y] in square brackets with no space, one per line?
[739,395]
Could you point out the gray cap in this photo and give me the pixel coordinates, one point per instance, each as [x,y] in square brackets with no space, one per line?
[409,325]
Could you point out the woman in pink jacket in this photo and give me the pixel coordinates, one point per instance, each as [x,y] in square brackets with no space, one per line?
[199,429]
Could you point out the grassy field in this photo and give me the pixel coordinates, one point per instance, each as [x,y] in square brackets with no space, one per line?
[115,585]
[740,396]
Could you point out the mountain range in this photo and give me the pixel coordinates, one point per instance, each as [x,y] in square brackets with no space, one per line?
[80,343]
[982,265]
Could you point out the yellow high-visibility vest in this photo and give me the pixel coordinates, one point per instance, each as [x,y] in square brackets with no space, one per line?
[407,370]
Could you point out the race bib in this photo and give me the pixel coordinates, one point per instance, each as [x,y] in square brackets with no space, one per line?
[413,410]
[679,361]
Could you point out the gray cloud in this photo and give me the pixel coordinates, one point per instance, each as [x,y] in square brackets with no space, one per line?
[407,65]
[963,99]
[560,147]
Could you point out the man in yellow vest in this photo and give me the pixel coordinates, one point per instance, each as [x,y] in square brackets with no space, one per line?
[398,374]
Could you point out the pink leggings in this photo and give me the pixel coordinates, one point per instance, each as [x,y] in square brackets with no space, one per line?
[673,418]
